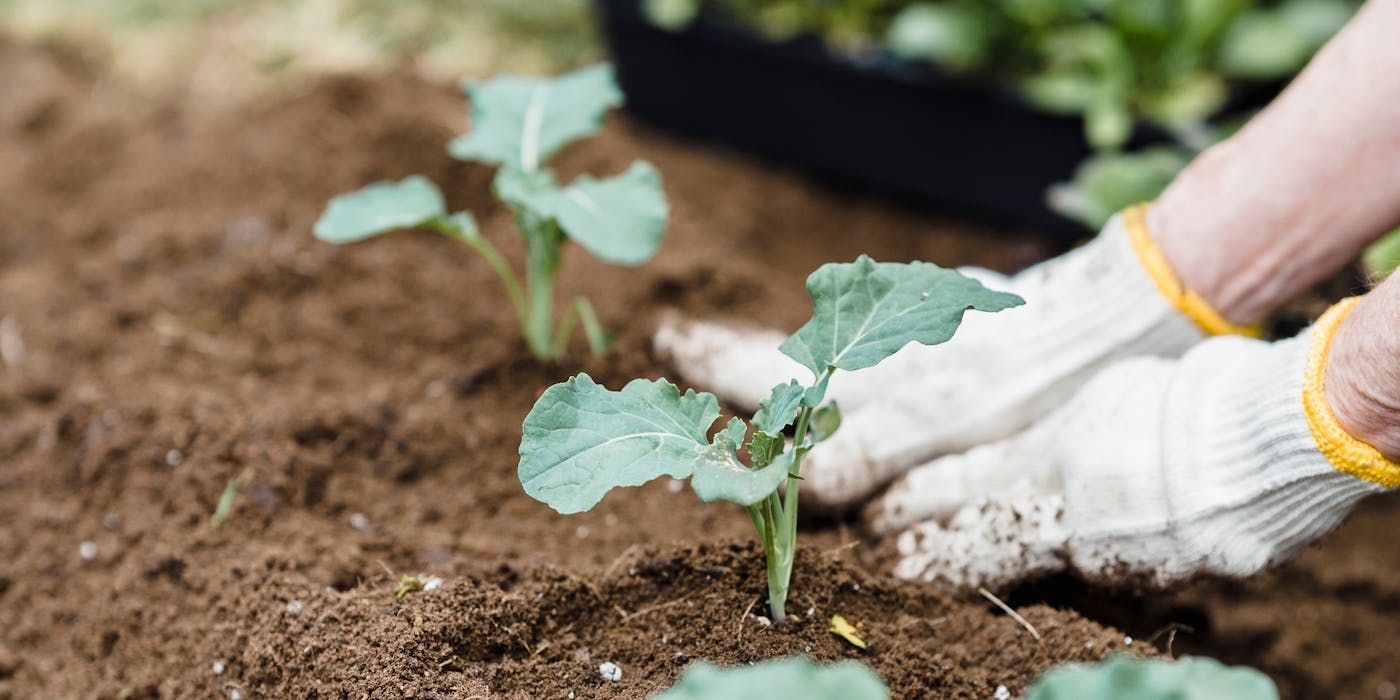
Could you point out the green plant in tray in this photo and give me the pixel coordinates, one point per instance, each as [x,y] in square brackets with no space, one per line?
[581,440]
[518,123]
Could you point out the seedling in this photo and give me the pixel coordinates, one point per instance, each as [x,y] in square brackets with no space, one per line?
[582,440]
[1124,677]
[518,123]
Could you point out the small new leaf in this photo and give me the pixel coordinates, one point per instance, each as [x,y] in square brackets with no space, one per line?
[793,677]
[866,311]
[380,208]
[777,412]
[765,448]
[521,121]
[719,476]
[825,421]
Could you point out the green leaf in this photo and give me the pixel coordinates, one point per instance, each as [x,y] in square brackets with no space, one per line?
[765,447]
[780,408]
[734,432]
[1127,678]
[1315,21]
[671,15]
[866,311]
[953,35]
[793,677]
[619,219]
[582,440]
[1107,123]
[1262,44]
[380,208]
[718,476]
[825,422]
[521,121]
[1107,183]
[1383,257]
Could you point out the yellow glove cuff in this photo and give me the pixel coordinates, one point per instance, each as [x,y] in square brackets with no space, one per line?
[1347,454]
[1184,300]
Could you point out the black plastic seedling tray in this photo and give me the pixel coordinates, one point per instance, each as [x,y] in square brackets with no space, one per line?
[883,124]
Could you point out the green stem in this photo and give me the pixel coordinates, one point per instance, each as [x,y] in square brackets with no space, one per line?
[493,258]
[581,311]
[542,240]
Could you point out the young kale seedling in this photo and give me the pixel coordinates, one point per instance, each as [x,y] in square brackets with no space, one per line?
[582,440]
[517,124]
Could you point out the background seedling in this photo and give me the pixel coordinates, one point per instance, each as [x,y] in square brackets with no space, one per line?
[1128,678]
[581,440]
[518,123]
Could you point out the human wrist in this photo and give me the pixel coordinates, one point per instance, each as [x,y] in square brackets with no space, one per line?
[1362,383]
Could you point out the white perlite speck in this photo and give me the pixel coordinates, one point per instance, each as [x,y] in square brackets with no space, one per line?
[87,550]
[430,583]
[359,521]
[1386,690]
[610,671]
[294,607]
[1002,693]
[174,458]
[218,667]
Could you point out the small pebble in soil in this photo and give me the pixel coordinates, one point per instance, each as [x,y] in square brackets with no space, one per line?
[1128,641]
[430,583]
[1386,690]
[610,671]
[583,655]
[87,551]
[581,532]
[218,667]
[235,694]
[174,458]
[675,485]
[762,621]
[435,389]
[1002,693]
[294,607]
[359,521]
[111,521]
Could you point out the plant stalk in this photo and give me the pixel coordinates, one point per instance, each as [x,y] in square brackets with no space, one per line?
[542,240]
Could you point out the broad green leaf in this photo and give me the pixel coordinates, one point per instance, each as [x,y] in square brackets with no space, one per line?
[1317,20]
[521,121]
[718,476]
[1128,678]
[380,208]
[793,677]
[582,440]
[780,408]
[1383,257]
[825,422]
[866,311]
[619,219]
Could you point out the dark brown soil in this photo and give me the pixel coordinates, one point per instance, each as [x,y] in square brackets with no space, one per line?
[180,327]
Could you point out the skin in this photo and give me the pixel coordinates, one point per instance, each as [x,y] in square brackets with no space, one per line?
[1297,195]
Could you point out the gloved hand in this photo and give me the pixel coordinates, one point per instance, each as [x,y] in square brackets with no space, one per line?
[1226,461]
[1112,298]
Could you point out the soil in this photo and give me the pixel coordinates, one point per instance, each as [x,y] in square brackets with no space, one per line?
[168,324]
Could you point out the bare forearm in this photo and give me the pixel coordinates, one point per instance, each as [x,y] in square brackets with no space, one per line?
[1363,370]
[1302,189]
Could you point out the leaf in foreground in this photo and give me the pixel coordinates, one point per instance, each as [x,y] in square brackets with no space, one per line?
[866,311]
[1129,678]
[793,677]
[521,121]
[582,440]
[380,208]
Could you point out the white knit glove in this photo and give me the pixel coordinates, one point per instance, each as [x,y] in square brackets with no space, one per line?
[1000,373]
[1156,470]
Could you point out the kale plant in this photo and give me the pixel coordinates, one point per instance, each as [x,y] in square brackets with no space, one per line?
[582,440]
[791,677]
[518,123]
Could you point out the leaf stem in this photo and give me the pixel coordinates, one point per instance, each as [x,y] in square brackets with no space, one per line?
[493,258]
